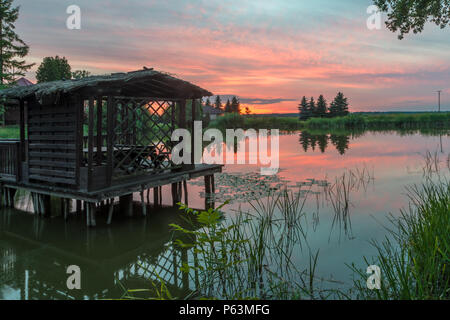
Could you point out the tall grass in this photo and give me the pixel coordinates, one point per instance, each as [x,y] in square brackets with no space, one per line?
[383,121]
[250,256]
[414,262]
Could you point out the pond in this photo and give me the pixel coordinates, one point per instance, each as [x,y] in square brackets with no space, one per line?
[347,185]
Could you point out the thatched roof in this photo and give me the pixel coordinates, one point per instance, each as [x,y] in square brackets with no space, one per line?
[141,83]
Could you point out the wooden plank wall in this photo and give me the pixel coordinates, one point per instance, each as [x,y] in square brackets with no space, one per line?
[52,135]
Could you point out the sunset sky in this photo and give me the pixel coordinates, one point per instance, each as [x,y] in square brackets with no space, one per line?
[269,53]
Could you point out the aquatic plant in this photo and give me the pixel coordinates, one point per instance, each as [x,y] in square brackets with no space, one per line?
[414,259]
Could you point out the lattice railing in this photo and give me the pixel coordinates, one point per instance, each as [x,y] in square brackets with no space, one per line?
[142,132]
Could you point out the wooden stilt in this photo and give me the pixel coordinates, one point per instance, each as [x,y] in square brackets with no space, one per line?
[126,204]
[78,206]
[66,209]
[156,197]
[207,191]
[186,197]
[88,214]
[174,194]
[144,206]
[93,211]
[110,211]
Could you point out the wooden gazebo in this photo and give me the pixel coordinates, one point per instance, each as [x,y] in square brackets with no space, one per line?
[100,137]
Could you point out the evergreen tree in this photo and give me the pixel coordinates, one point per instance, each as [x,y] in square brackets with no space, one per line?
[11,46]
[52,69]
[218,104]
[228,108]
[304,109]
[208,102]
[312,107]
[339,106]
[235,105]
[321,109]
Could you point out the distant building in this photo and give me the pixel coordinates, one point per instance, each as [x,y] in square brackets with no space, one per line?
[12,114]
[214,113]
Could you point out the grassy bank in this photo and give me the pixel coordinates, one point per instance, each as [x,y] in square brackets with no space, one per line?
[391,121]
[383,121]
[414,262]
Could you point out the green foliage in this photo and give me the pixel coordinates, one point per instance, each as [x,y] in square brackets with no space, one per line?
[382,121]
[233,255]
[228,108]
[80,74]
[415,262]
[339,106]
[218,104]
[11,46]
[229,121]
[52,69]
[303,109]
[235,105]
[322,108]
[411,15]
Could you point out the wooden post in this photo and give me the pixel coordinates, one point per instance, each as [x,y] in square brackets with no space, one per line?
[110,211]
[99,130]
[65,203]
[93,214]
[207,191]
[90,141]
[88,214]
[186,197]
[174,194]
[110,139]
[156,197]
[126,204]
[144,206]
[22,130]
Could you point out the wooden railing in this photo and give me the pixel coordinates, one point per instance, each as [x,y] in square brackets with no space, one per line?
[10,160]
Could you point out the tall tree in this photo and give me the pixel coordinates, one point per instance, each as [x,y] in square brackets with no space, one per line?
[52,69]
[228,108]
[312,107]
[321,108]
[235,105]
[11,46]
[208,102]
[411,15]
[339,106]
[218,104]
[303,109]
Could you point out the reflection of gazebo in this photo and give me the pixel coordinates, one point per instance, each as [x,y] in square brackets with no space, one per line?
[37,261]
[100,137]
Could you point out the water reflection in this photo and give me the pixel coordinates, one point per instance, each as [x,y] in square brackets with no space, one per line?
[339,141]
[35,254]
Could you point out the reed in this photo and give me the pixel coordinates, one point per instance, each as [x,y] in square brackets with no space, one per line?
[414,259]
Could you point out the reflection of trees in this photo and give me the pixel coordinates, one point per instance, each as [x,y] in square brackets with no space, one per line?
[341,142]
[307,140]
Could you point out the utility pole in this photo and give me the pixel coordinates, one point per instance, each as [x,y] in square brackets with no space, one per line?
[439,99]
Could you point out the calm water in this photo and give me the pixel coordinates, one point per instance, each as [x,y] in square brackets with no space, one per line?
[34,253]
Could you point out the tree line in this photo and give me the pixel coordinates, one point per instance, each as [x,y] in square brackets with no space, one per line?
[231,106]
[320,109]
